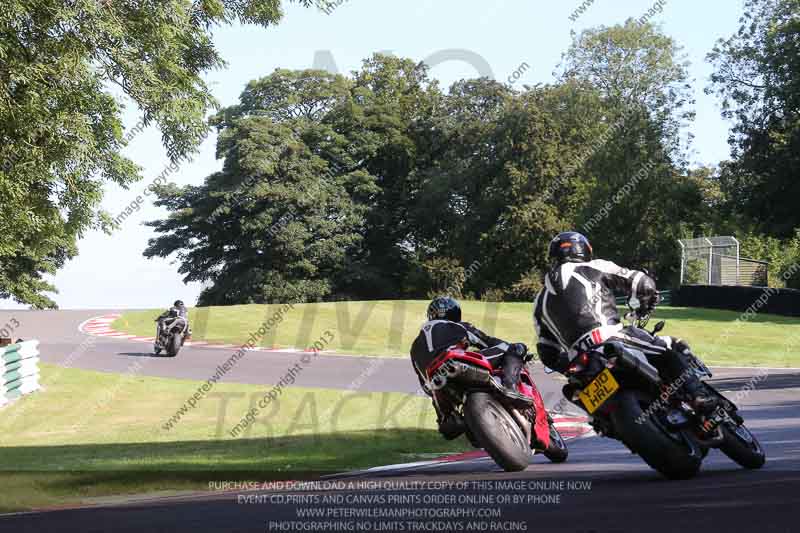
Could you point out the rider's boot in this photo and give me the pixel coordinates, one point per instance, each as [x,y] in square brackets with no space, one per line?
[702,401]
[452,426]
[512,367]
[451,423]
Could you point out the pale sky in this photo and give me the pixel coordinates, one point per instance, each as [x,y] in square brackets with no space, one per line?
[111,272]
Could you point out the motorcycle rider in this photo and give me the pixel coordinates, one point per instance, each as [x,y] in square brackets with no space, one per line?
[445,329]
[577,309]
[178,309]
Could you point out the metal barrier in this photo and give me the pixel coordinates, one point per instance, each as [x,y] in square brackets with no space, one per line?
[766,300]
[716,261]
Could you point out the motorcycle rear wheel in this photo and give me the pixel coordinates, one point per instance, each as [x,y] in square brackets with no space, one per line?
[666,454]
[497,432]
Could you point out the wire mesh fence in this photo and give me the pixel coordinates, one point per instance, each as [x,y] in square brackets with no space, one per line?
[716,261]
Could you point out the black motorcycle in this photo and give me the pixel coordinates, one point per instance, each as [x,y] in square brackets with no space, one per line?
[174,331]
[628,401]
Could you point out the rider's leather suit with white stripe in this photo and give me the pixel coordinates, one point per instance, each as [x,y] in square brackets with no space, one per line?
[577,309]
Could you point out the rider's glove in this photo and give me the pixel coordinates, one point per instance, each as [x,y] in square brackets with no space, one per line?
[647,295]
[520,350]
[649,303]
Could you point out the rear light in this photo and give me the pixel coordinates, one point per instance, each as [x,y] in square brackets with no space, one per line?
[574,368]
[578,364]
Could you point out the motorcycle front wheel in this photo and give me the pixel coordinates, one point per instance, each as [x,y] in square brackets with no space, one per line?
[742,446]
[493,427]
[557,452]
[669,453]
[174,345]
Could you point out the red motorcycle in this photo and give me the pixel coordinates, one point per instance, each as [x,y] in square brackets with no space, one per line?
[509,434]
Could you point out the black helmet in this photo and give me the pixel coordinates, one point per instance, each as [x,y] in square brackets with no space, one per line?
[570,247]
[444,308]
[178,303]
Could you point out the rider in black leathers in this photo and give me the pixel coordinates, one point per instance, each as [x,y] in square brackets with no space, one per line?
[178,309]
[577,309]
[445,329]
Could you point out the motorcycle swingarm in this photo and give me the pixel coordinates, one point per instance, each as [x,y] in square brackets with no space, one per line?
[603,427]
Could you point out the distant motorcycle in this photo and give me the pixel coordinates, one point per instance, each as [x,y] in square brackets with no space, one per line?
[173,333]
[628,401]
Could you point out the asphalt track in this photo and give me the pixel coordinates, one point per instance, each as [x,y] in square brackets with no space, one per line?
[616,492]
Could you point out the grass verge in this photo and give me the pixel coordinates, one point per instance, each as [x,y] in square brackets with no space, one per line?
[89,434]
[387,328]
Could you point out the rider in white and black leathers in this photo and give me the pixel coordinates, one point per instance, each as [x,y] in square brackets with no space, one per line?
[577,309]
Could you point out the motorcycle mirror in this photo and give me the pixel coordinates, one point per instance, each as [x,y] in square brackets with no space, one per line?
[659,327]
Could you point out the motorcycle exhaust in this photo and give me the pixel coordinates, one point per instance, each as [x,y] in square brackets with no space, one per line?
[462,373]
[630,361]
[465,372]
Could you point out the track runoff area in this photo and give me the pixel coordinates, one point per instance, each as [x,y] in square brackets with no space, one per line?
[601,488]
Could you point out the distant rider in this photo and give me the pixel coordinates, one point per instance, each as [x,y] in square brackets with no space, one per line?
[178,309]
[577,309]
[444,329]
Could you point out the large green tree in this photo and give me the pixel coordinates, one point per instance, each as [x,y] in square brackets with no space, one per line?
[431,190]
[363,140]
[484,197]
[757,75]
[61,65]
[394,138]
[284,216]
[639,196]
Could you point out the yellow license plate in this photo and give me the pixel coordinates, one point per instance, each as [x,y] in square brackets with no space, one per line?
[599,391]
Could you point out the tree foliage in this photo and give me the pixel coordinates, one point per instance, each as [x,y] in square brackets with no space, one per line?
[60,128]
[638,196]
[757,76]
[280,220]
[423,190]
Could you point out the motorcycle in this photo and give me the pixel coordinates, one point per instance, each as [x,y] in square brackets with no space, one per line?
[171,336]
[627,400]
[509,434]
